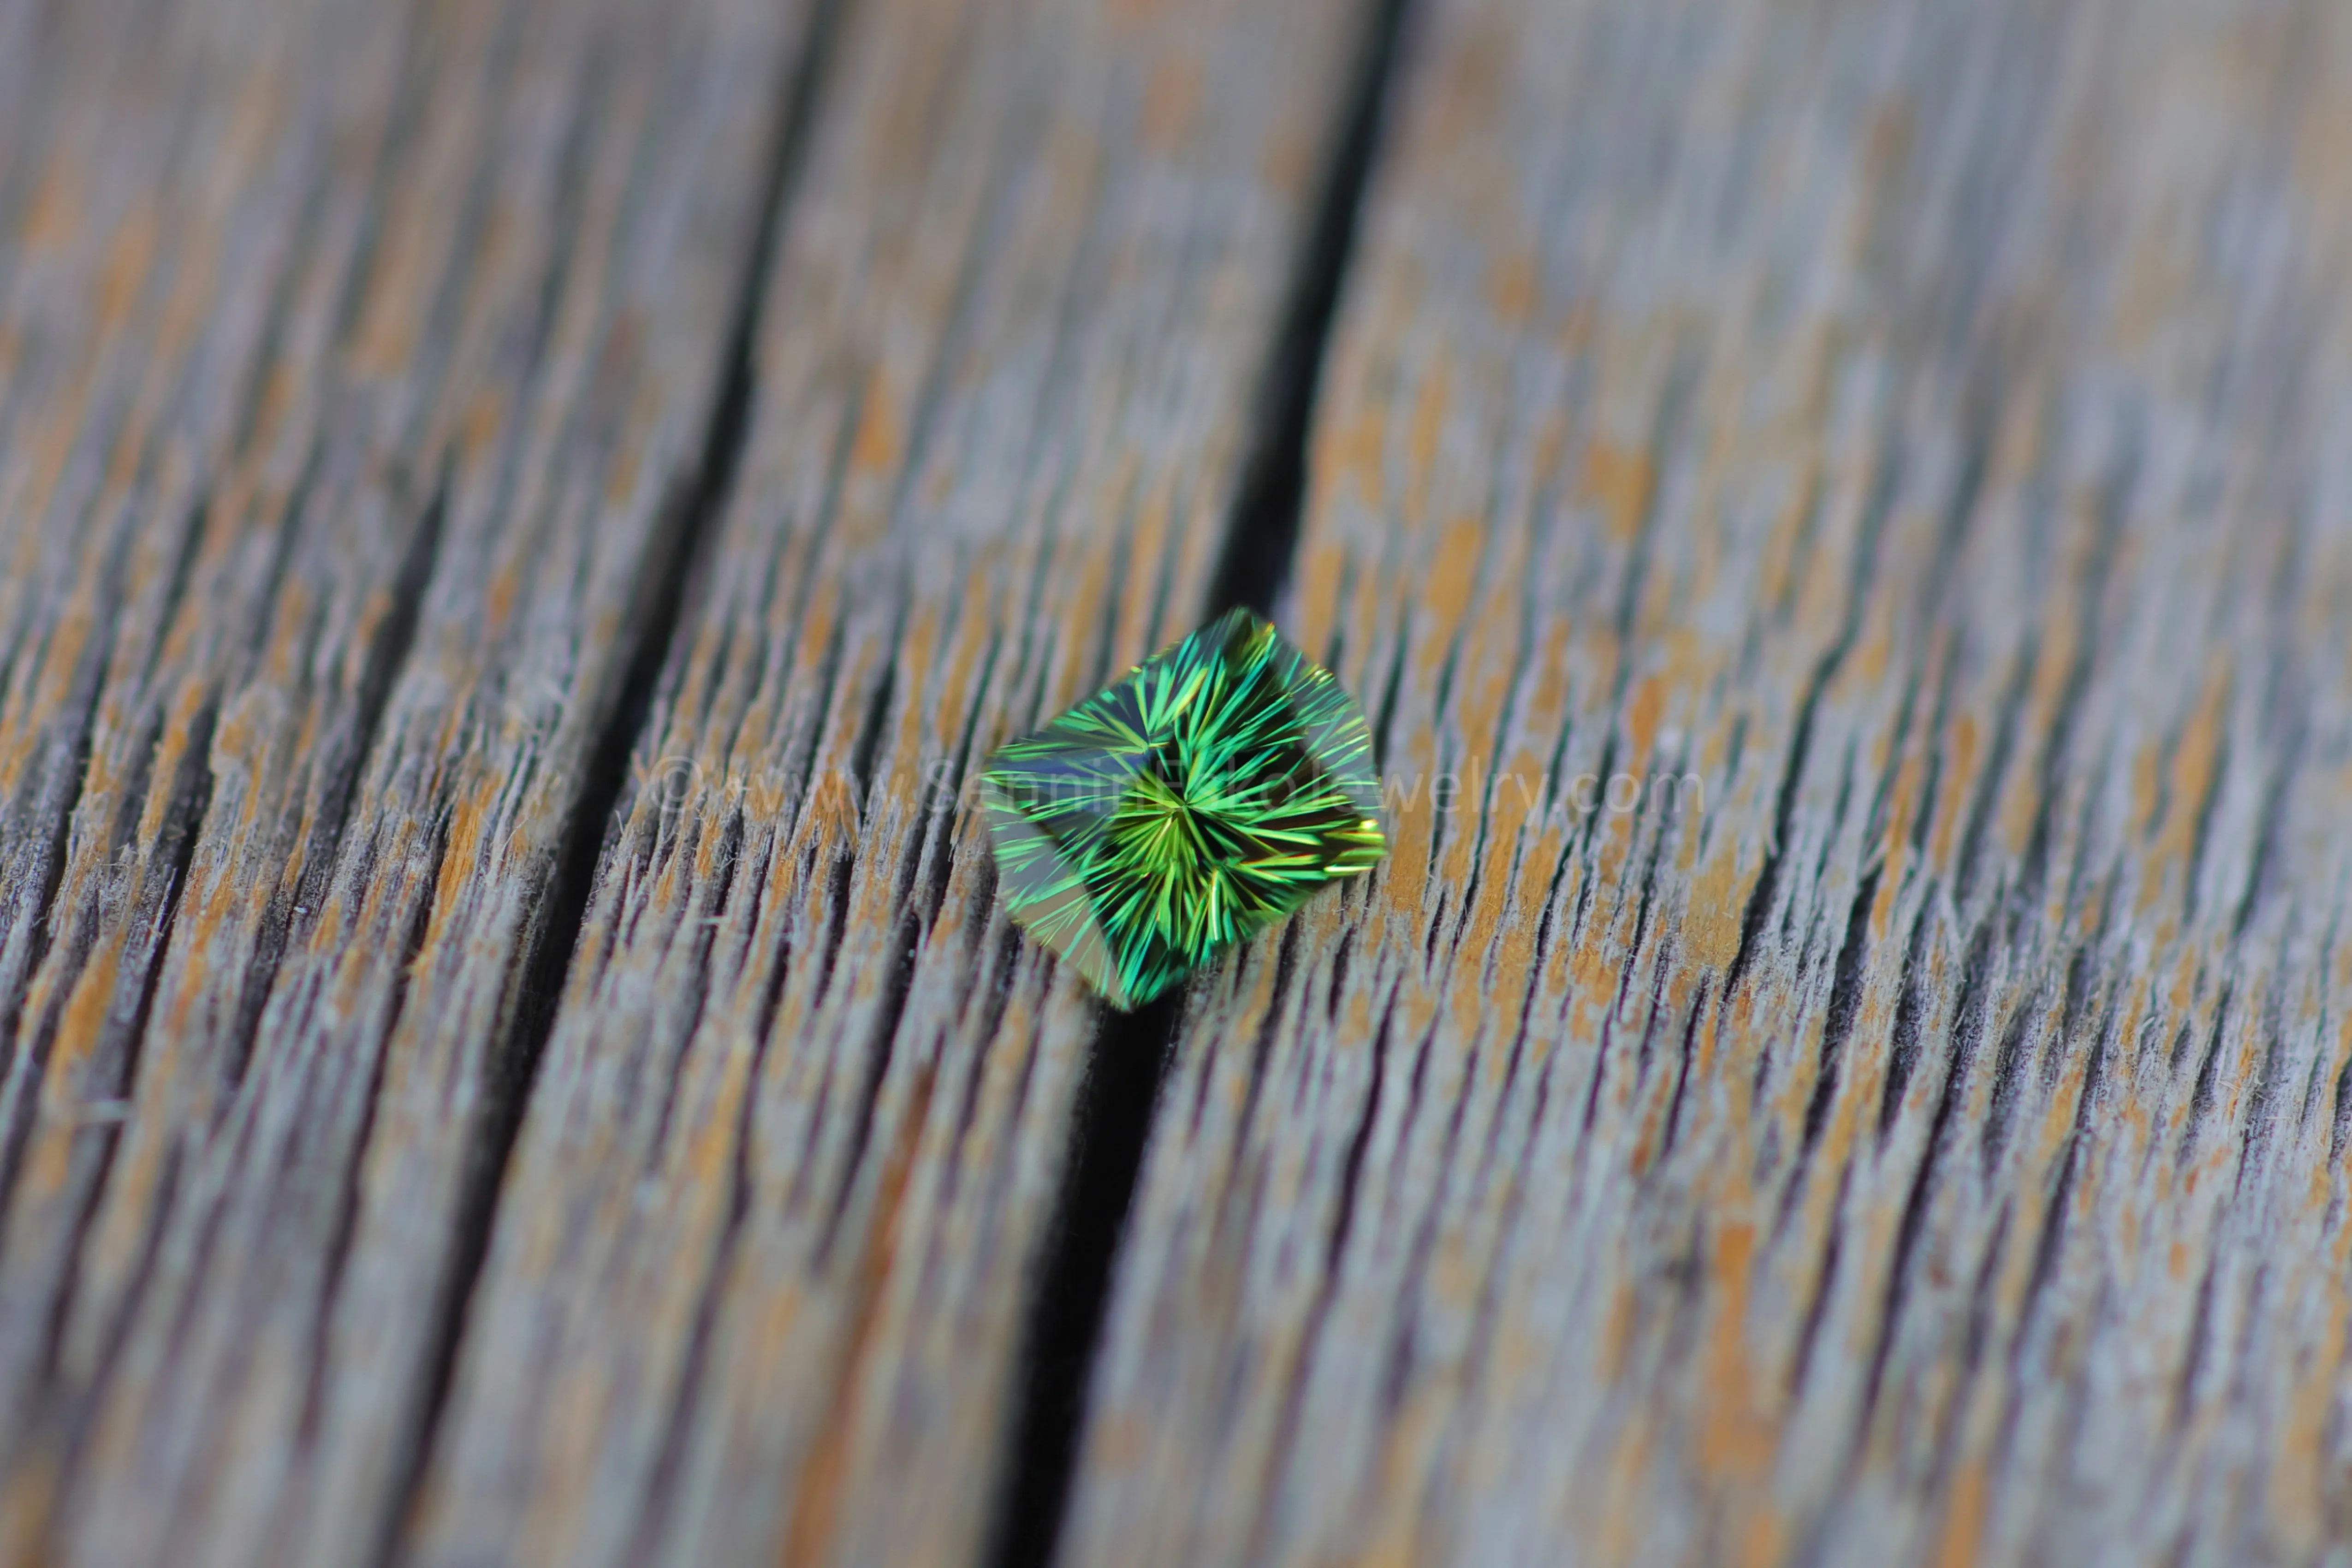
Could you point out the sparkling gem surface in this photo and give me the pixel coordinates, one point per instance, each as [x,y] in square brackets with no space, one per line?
[1202,798]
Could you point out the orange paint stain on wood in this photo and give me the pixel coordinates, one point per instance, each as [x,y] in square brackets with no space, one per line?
[916,660]
[469,825]
[483,421]
[711,1149]
[2194,760]
[879,443]
[1960,774]
[48,1155]
[817,1494]
[1172,102]
[1155,513]
[1619,481]
[54,215]
[385,343]
[1318,599]
[1350,456]
[123,274]
[1717,905]
[1647,706]
[1481,686]
[1511,289]
[1737,1435]
[2146,767]
[1870,662]
[1427,427]
[1895,847]
[1453,577]
[1485,936]
[1961,1542]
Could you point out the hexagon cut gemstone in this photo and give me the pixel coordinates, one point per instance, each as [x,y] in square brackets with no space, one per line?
[1185,807]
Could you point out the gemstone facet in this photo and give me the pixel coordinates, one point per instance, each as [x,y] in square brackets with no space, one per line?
[1189,806]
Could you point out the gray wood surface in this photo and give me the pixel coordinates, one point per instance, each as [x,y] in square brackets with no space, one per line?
[519,518]
[761,1269]
[360,358]
[1922,424]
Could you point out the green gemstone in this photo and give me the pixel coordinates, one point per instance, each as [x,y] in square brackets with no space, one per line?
[1193,804]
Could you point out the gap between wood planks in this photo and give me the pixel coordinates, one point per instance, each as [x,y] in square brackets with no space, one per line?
[663,615]
[1127,1060]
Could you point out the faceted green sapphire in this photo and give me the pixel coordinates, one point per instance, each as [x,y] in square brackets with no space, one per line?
[1192,805]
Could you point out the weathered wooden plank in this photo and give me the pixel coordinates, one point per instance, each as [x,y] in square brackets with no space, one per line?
[762,1264]
[360,360]
[1922,424]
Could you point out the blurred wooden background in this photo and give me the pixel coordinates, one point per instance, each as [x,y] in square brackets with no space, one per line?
[519,518]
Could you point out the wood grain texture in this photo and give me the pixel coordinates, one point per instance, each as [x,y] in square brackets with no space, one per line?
[764,1262]
[519,519]
[357,358]
[1922,424]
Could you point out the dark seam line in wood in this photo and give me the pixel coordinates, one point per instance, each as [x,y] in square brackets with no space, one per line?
[1682,1072]
[1286,965]
[660,1492]
[1809,1324]
[2007,1069]
[2339,1133]
[48,867]
[2034,864]
[1845,1008]
[26,1064]
[899,981]
[1660,970]
[2274,816]
[1326,1288]
[1269,503]
[899,978]
[1967,1032]
[705,914]
[2323,1016]
[1583,847]
[1974,1336]
[1847,974]
[1987,792]
[347,1200]
[1112,1125]
[2287,709]
[190,797]
[2084,1128]
[2253,1141]
[1597,1079]
[2200,1094]
[21,1072]
[2192,1365]
[1825,669]
[379,675]
[1826,853]
[1506,726]
[1129,1058]
[1903,1039]
[1668,425]
[671,568]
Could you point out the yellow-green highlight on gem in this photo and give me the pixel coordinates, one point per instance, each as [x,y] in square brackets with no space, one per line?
[1193,804]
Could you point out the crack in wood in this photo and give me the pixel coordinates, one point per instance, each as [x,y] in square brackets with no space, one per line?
[1129,1058]
[659,625]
